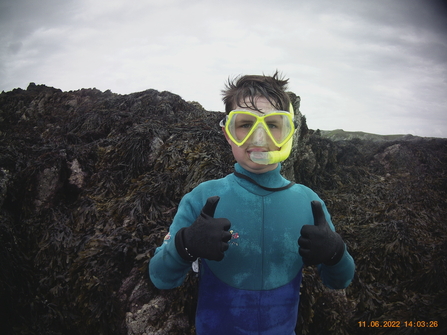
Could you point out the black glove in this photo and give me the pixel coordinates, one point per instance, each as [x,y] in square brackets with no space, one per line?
[318,244]
[207,237]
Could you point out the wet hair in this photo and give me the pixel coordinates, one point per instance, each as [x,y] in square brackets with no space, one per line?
[243,91]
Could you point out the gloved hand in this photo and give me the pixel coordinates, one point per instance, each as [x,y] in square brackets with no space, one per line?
[207,237]
[318,244]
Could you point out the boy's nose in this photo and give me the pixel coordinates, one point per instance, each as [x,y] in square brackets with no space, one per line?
[259,137]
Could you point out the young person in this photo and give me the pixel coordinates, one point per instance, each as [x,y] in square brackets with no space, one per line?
[253,230]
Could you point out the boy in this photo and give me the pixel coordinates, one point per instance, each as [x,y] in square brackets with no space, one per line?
[254,230]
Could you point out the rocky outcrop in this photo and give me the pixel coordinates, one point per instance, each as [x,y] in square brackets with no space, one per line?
[90,182]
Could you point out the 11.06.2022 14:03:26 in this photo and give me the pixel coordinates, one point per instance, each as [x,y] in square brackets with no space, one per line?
[398,324]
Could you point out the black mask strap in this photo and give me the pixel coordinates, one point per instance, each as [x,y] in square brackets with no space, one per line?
[272,189]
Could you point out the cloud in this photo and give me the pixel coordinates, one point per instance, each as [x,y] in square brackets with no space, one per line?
[373,66]
[19,19]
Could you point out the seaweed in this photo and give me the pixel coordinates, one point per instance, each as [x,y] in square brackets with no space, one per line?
[90,182]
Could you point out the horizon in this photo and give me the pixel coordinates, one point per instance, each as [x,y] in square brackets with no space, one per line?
[188,101]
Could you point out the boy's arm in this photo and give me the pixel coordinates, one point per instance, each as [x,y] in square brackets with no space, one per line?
[167,269]
[190,236]
[320,245]
[340,275]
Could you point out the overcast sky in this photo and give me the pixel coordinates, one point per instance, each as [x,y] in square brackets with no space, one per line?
[375,66]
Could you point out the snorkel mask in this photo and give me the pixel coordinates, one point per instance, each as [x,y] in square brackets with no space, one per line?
[279,126]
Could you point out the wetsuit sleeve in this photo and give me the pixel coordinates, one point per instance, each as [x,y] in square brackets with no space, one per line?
[167,269]
[340,275]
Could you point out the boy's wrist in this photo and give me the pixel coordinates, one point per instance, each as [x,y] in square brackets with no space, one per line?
[181,248]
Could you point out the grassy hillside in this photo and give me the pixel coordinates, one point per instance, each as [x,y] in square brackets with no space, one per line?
[340,135]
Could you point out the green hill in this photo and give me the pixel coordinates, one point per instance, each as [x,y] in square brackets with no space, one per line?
[341,135]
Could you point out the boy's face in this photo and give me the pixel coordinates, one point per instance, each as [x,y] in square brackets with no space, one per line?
[258,141]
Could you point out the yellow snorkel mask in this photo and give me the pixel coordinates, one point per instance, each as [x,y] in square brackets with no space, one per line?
[241,125]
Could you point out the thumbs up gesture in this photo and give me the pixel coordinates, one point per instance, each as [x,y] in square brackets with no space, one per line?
[318,244]
[207,237]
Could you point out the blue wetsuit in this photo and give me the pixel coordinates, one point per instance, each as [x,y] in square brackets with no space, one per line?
[255,288]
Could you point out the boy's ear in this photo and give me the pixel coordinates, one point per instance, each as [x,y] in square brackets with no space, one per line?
[226,135]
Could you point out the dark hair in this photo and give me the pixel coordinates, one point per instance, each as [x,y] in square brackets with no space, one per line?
[250,87]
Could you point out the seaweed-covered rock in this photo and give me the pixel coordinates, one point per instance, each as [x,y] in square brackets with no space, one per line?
[90,182]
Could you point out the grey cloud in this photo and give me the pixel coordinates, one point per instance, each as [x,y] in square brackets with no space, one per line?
[20,18]
[14,47]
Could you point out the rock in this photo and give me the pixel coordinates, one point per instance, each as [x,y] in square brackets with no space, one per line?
[90,182]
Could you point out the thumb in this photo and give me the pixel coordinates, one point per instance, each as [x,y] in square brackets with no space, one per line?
[317,211]
[210,206]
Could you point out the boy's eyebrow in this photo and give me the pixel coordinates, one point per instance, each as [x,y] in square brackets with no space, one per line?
[246,109]
[246,118]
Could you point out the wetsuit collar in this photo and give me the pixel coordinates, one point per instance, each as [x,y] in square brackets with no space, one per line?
[270,181]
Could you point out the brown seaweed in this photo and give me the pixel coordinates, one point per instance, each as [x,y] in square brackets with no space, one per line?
[90,182]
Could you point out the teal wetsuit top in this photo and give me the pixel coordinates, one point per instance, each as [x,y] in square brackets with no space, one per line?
[255,288]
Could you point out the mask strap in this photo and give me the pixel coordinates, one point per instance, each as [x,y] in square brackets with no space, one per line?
[272,189]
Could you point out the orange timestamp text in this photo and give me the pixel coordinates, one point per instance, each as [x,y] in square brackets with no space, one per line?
[398,324]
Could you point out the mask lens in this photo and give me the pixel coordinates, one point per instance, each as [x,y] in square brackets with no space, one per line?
[241,125]
[278,126]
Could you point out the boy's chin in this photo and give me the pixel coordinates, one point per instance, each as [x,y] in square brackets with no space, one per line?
[255,167]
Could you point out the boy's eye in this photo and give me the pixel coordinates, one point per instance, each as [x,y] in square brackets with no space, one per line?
[246,125]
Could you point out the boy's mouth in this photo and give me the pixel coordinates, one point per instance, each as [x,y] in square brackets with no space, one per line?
[257,149]
[257,154]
